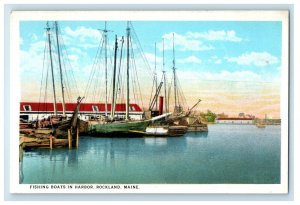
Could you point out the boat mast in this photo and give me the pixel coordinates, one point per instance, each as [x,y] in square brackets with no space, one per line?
[119,70]
[114,81]
[105,41]
[127,73]
[155,75]
[51,64]
[60,71]
[164,75]
[174,73]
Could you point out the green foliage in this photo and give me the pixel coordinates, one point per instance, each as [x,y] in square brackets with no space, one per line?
[209,116]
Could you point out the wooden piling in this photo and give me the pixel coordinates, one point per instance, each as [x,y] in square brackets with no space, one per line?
[51,142]
[77,137]
[69,139]
[20,152]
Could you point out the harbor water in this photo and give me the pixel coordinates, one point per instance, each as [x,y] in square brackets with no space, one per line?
[234,154]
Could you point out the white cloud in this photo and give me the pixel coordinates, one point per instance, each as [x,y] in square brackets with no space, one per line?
[216,35]
[183,43]
[151,58]
[32,59]
[82,36]
[190,59]
[260,59]
[219,76]
[193,40]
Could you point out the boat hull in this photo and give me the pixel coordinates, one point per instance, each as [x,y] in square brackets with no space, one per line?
[95,128]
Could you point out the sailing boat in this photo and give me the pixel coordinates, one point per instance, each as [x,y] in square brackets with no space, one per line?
[180,116]
[56,124]
[116,126]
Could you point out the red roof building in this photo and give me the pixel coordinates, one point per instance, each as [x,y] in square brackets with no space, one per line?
[70,107]
[30,110]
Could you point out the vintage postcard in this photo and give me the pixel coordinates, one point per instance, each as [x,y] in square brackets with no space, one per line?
[149,101]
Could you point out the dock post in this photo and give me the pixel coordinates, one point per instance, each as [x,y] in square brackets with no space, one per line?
[51,142]
[77,137]
[69,139]
[20,152]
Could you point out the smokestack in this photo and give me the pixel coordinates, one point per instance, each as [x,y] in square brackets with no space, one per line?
[161,104]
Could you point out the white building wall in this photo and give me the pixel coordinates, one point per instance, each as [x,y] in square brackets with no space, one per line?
[82,116]
[234,121]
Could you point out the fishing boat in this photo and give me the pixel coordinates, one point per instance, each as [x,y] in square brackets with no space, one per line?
[56,124]
[110,124]
[179,122]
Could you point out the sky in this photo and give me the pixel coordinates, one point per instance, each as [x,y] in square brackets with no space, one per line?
[232,66]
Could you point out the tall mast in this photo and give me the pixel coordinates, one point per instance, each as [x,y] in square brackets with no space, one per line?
[119,70]
[155,75]
[114,81]
[51,64]
[105,52]
[105,41]
[174,73]
[60,71]
[164,75]
[165,87]
[127,73]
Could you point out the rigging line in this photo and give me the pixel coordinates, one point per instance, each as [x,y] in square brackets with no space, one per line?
[41,84]
[66,78]
[99,93]
[46,88]
[66,81]
[95,82]
[170,92]
[54,60]
[98,74]
[97,71]
[141,49]
[137,83]
[93,69]
[67,54]
[134,82]
[133,74]
[181,94]
[151,93]
[89,82]
[122,82]
[109,73]
[72,77]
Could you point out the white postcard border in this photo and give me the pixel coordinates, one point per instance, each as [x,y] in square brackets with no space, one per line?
[250,15]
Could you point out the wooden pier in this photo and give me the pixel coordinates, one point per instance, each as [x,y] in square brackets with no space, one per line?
[43,138]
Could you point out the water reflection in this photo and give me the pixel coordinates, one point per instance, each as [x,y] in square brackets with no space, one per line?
[197,157]
[196,139]
[21,175]
[153,141]
[197,134]
[72,158]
